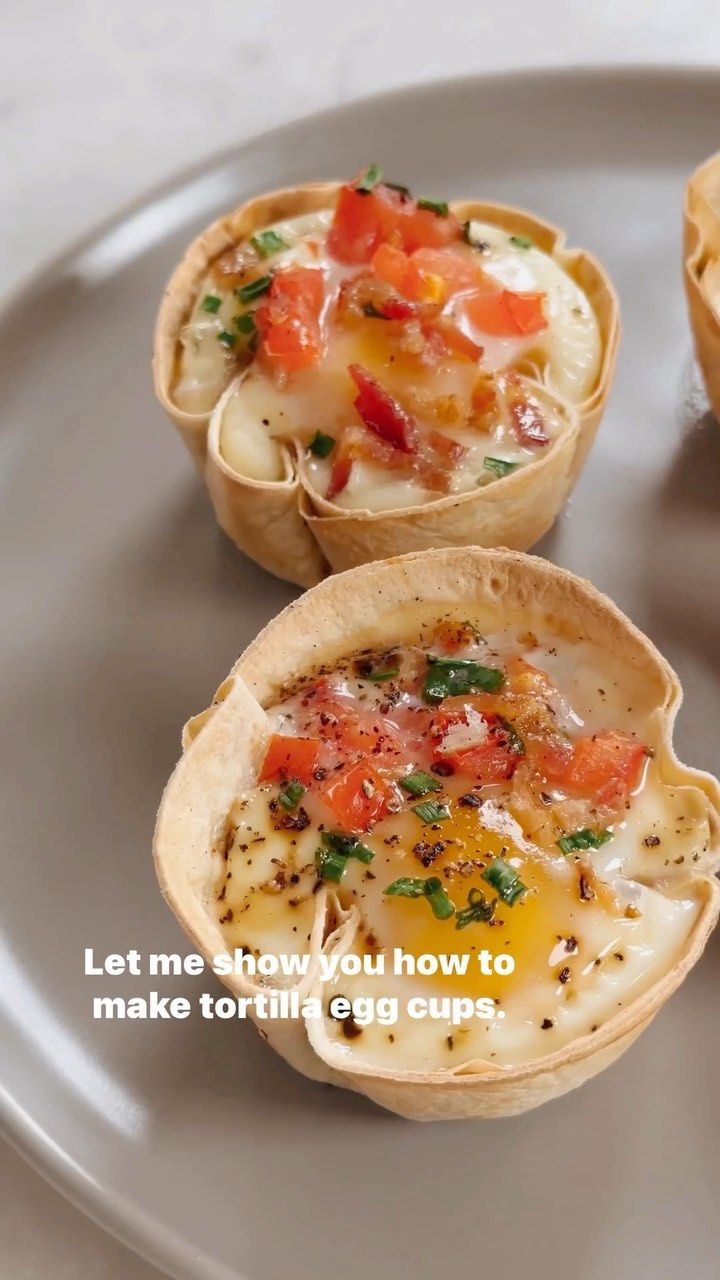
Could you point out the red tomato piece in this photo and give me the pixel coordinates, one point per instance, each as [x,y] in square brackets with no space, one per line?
[493,760]
[606,767]
[350,732]
[423,229]
[399,271]
[457,272]
[504,314]
[358,796]
[364,220]
[361,222]
[288,321]
[288,757]
[382,414]
[339,472]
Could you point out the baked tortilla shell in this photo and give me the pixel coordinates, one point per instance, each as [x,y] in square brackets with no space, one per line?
[702,271]
[224,748]
[514,511]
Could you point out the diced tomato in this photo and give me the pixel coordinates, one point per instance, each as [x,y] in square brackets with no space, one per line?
[364,220]
[504,314]
[358,796]
[351,732]
[457,271]
[526,415]
[288,321]
[399,271]
[495,759]
[606,767]
[289,757]
[423,229]
[382,414]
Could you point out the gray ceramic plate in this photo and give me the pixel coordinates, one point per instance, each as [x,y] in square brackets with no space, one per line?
[124,607]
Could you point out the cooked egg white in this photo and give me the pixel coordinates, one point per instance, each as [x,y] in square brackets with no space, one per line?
[594,931]
[258,412]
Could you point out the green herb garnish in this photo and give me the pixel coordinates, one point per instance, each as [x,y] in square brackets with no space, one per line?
[291,794]
[331,858]
[477,911]
[431,811]
[388,673]
[514,740]
[254,288]
[227,339]
[321,445]
[419,783]
[439,207]
[330,864]
[245,322]
[211,303]
[266,243]
[452,676]
[348,846]
[522,242]
[499,466]
[369,179]
[583,839]
[432,889]
[506,880]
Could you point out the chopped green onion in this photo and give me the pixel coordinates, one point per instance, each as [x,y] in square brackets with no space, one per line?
[227,339]
[369,179]
[331,858]
[515,742]
[330,864]
[247,292]
[506,880]
[432,889]
[291,794]
[522,242]
[266,243]
[439,207]
[446,676]
[388,673]
[245,322]
[431,811]
[583,839]
[418,783]
[477,911]
[406,887]
[321,445]
[499,466]
[442,907]
[211,303]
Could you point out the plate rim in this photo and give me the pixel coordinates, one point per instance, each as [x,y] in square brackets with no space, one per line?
[122,1218]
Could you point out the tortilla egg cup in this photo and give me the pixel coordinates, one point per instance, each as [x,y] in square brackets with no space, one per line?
[294,532]
[223,747]
[702,271]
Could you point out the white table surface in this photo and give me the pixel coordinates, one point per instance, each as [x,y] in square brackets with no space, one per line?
[98,103]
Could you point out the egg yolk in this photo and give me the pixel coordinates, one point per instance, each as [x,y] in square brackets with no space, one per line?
[539,931]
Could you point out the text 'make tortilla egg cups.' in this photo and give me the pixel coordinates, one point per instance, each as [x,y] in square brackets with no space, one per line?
[295,533]
[224,747]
